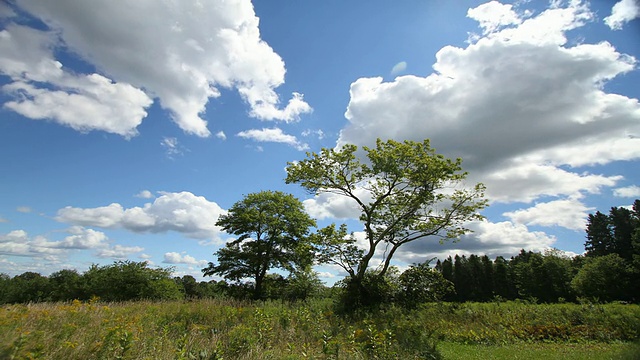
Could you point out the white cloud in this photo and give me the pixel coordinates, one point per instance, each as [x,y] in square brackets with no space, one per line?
[491,239]
[82,102]
[494,15]
[621,13]
[180,53]
[399,67]
[145,194]
[328,205]
[518,105]
[221,135]
[82,238]
[119,252]
[18,243]
[181,212]
[571,214]
[632,191]
[177,258]
[273,135]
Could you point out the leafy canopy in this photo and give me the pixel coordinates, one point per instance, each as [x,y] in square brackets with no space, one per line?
[272,229]
[405,191]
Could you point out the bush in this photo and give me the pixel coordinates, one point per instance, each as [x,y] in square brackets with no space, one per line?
[420,284]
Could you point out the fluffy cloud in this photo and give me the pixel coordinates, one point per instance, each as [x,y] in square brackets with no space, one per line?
[493,239]
[571,214]
[621,13]
[518,104]
[18,243]
[180,53]
[176,258]
[273,135]
[494,15]
[328,205]
[181,212]
[628,191]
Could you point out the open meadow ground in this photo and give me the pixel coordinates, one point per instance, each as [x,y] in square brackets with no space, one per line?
[228,329]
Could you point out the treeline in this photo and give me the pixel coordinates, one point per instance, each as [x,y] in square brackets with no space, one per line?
[608,271]
[127,280]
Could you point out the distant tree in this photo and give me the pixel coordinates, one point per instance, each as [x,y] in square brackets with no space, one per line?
[189,286]
[613,233]
[272,229]
[404,190]
[28,287]
[128,280]
[420,284]
[303,283]
[502,281]
[67,285]
[5,281]
[603,278]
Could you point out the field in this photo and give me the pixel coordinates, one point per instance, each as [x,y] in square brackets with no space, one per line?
[228,329]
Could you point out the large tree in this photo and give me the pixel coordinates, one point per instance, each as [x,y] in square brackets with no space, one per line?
[272,229]
[405,192]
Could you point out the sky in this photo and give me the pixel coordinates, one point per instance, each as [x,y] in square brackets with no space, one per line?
[128,128]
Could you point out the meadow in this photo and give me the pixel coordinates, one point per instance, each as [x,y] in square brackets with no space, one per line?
[232,329]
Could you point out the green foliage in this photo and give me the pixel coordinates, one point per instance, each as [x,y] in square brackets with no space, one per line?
[369,293]
[613,233]
[400,193]
[231,329]
[272,229]
[27,287]
[127,280]
[603,278]
[420,284]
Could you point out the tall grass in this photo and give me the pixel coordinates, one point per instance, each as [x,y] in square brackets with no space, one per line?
[228,329]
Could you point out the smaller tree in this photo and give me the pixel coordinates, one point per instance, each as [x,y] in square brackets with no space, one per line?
[603,278]
[420,284]
[272,229]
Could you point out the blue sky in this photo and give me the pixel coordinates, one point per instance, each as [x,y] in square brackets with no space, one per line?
[126,130]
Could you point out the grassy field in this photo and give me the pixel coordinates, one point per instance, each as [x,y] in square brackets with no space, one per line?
[227,329]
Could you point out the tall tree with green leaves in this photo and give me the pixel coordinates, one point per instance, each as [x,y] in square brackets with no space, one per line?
[272,229]
[405,192]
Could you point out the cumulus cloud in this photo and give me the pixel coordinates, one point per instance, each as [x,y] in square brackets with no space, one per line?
[491,239]
[180,53]
[329,205]
[177,258]
[82,238]
[181,212]
[621,13]
[519,105]
[632,191]
[570,213]
[273,135]
[19,243]
[494,15]
[41,88]
[23,209]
